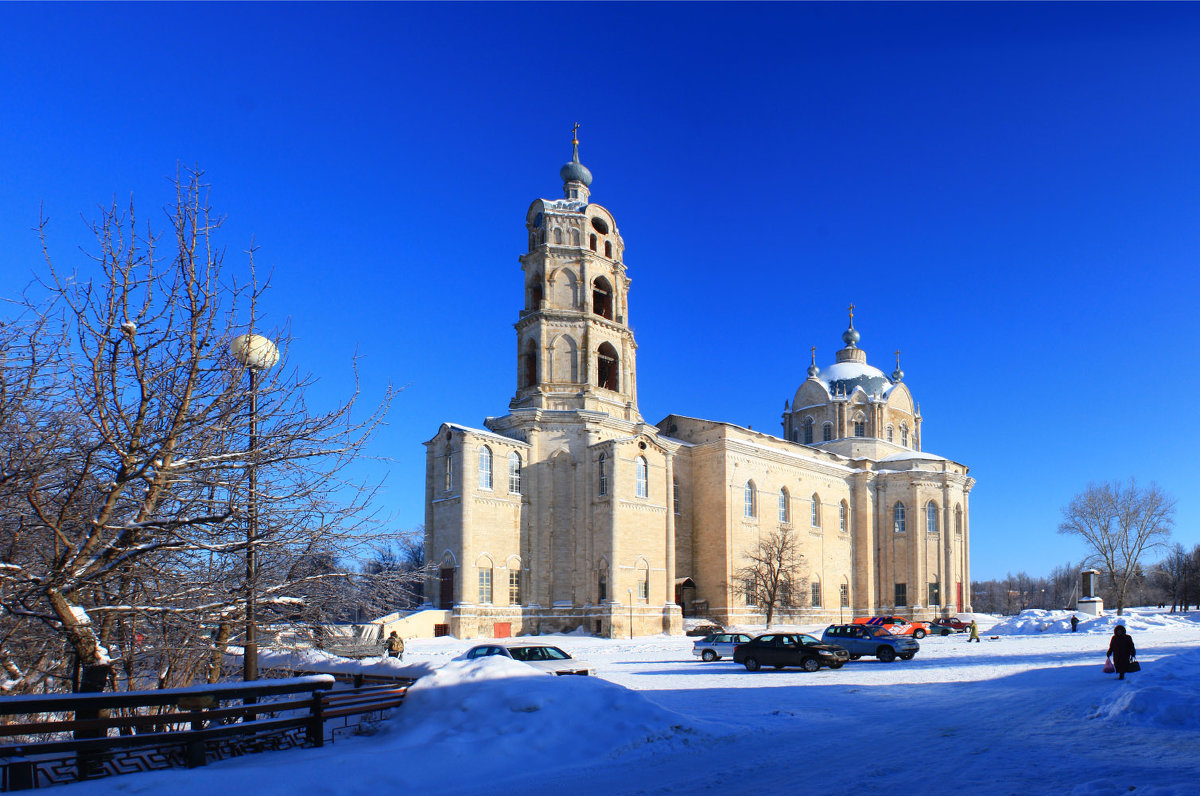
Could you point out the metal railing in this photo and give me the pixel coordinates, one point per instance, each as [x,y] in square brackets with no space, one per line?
[49,740]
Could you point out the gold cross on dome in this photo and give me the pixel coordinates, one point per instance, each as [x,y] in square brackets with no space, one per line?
[851,308]
[897,357]
[575,133]
[814,354]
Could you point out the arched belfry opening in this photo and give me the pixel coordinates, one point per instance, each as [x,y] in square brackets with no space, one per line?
[602,298]
[607,367]
[528,365]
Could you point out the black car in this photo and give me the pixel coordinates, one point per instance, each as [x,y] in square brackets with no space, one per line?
[789,649]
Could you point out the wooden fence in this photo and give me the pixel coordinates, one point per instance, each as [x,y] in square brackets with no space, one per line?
[126,732]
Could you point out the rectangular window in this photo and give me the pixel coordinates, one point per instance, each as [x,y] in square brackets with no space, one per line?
[844,595]
[449,471]
[514,473]
[602,589]
[675,497]
[842,512]
[514,587]
[827,432]
[901,594]
[644,585]
[748,591]
[485,584]
[816,595]
[935,593]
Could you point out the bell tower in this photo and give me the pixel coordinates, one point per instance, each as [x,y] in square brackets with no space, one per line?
[575,350]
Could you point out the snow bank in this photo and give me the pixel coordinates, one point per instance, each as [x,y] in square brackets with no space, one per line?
[1166,694]
[523,716]
[1033,622]
[312,660]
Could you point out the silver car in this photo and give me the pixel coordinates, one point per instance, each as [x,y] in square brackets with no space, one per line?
[718,646]
[549,659]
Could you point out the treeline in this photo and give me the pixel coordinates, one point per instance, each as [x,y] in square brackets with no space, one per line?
[1173,583]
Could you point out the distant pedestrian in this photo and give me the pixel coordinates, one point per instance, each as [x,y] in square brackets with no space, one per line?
[1074,622]
[1122,651]
[974,632]
[395,646]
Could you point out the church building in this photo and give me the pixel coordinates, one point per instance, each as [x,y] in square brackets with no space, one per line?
[571,511]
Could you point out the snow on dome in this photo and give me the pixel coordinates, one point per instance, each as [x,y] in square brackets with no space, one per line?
[844,377]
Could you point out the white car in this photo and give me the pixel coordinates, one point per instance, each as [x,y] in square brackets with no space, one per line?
[718,646]
[549,659]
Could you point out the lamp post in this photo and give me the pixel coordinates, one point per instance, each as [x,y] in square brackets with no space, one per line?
[631,614]
[256,353]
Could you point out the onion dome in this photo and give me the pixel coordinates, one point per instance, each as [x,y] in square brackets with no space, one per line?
[813,370]
[573,170]
[897,374]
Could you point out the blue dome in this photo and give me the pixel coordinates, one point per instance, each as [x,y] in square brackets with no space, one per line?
[574,171]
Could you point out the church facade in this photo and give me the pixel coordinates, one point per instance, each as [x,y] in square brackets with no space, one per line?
[571,511]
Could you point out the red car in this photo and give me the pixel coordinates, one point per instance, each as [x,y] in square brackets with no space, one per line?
[896,625]
[947,625]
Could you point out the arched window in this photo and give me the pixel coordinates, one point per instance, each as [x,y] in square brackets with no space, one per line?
[529,364]
[958,520]
[795,435]
[860,426]
[514,583]
[535,292]
[904,435]
[602,470]
[574,237]
[827,432]
[485,467]
[558,235]
[808,430]
[602,298]
[643,580]
[485,580]
[675,496]
[898,517]
[602,587]
[931,517]
[606,367]
[751,500]
[592,242]
[816,510]
[449,468]
[643,477]
[608,249]
[514,473]
[889,433]
[785,508]
[843,517]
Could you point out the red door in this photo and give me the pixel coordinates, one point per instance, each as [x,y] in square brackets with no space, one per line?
[501,629]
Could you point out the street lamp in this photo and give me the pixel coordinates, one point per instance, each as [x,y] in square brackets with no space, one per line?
[631,614]
[256,353]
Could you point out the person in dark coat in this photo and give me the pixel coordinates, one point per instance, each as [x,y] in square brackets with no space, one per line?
[1074,622]
[1121,650]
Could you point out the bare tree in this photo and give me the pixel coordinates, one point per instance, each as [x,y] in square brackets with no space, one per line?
[124,482]
[1120,523]
[773,573]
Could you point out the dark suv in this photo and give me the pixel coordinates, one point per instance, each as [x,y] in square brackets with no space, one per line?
[789,649]
[860,640]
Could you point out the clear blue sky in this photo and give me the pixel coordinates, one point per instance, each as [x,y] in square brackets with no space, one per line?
[1009,193]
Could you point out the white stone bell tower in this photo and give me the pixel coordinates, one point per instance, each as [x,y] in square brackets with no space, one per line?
[575,350]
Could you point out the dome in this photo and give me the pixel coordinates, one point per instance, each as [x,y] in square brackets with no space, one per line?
[842,378]
[574,171]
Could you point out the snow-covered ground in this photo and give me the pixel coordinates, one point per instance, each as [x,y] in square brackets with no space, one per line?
[1026,711]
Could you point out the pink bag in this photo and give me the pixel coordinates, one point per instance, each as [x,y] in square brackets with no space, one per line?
[1108,666]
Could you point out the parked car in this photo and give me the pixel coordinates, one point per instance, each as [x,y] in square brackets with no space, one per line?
[549,659]
[860,640]
[789,649]
[716,646]
[896,625]
[704,630]
[953,623]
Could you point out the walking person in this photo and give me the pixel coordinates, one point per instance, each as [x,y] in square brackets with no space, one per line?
[395,646]
[1074,622]
[1122,652]
[974,632]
